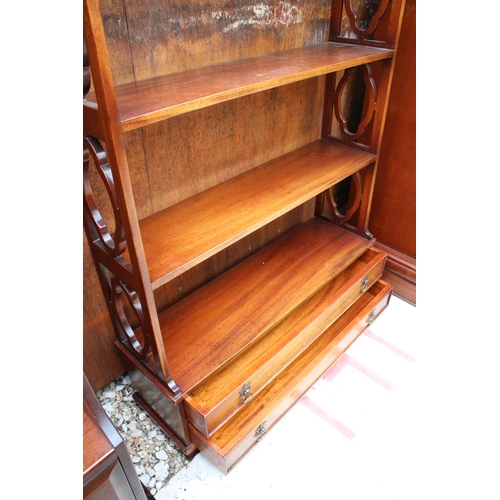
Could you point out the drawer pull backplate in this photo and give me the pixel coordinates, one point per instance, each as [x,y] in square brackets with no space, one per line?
[371,317]
[364,284]
[246,393]
[261,431]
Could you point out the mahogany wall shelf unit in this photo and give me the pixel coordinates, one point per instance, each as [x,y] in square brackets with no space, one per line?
[230,155]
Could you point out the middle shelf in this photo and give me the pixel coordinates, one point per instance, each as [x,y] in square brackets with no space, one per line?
[183,235]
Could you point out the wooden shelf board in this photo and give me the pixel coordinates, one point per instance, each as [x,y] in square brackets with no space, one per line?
[181,236]
[148,101]
[208,328]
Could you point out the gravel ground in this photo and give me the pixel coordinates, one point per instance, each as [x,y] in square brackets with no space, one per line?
[154,454]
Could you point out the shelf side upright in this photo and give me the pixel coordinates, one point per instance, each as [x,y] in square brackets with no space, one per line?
[125,283]
[359,126]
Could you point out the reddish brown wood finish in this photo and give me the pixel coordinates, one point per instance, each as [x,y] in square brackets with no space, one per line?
[401,272]
[97,450]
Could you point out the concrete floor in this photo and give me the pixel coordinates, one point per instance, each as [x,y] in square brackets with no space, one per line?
[374,427]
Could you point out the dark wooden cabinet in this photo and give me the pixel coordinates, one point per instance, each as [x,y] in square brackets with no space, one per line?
[393,215]
[230,158]
[108,472]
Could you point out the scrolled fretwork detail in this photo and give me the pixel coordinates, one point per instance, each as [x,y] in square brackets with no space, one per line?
[132,326]
[121,295]
[363,16]
[356,189]
[370,102]
[115,244]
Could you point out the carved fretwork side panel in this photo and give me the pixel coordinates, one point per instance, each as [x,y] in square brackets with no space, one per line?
[107,242]
[348,202]
[360,18]
[353,107]
[367,22]
[108,230]
[356,104]
[108,246]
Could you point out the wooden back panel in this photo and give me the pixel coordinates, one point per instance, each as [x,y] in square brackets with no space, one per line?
[155,37]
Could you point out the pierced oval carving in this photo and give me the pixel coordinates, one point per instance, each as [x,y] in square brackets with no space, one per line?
[121,297]
[357,190]
[364,15]
[370,91]
[114,244]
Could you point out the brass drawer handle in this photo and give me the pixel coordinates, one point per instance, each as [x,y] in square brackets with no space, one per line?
[246,393]
[364,284]
[371,317]
[261,431]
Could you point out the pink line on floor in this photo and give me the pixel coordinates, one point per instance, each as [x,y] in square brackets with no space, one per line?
[336,424]
[390,346]
[346,360]
[339,365]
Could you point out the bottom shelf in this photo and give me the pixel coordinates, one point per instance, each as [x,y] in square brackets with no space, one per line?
[230,443]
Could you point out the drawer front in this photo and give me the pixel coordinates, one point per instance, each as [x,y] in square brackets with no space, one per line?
[250,425]
[214,401]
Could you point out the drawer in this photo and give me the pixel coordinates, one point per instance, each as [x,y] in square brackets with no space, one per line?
[249,426]
[220,396]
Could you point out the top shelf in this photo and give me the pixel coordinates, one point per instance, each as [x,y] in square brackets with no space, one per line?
[145,102]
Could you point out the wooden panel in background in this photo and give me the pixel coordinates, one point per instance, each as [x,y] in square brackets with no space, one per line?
[100,357]
[195,151]
[200,33]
